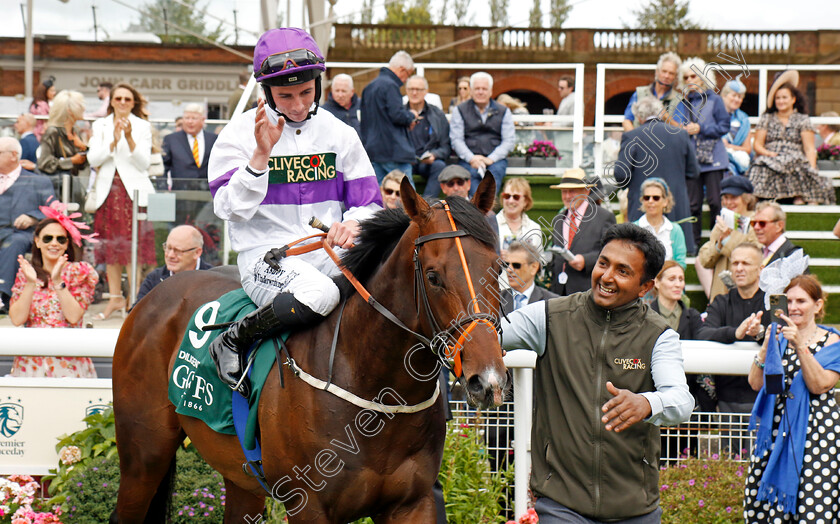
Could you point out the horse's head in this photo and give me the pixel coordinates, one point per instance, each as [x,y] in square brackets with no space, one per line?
[456,282]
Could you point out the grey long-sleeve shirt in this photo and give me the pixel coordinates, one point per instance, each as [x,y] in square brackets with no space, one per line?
[670,404]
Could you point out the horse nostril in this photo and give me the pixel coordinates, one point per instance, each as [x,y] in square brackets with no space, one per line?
[477,386]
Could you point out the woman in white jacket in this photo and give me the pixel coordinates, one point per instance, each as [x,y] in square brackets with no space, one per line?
[120,150]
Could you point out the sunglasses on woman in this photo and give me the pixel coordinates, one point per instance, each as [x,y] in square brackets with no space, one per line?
[506,196]
[389,192]
[61,239]
[655,198]
[455,182]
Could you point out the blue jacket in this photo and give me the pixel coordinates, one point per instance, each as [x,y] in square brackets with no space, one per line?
[160,274]
[348,116]
[385,120]
[29,146]
[714,123]
[24,197]
[655,149]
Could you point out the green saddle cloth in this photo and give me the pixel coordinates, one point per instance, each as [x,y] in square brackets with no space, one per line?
[195,388]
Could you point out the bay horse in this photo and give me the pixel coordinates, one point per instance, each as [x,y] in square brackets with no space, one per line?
[327,460]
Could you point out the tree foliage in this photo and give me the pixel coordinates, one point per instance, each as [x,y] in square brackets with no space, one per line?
[663,14]
[558,12]
[460,8]
[416,13]
[367,11]
[499,13]
[187,15]
[535,17]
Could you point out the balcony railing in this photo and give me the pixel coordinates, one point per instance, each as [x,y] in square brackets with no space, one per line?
[586,44]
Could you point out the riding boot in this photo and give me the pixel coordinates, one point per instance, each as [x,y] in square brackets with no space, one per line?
[230,349]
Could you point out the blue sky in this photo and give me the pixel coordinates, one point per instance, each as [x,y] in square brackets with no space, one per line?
[76,19]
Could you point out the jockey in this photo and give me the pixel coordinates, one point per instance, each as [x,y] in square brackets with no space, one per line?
[272,169]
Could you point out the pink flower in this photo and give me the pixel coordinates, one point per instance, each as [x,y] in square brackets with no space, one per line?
[701,503]
[691,482]
[729,509]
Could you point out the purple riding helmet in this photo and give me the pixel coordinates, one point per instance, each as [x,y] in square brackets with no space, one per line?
[285,57]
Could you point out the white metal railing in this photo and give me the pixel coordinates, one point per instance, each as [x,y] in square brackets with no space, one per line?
[698,356]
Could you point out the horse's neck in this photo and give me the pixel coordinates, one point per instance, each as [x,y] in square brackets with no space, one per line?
[380,345]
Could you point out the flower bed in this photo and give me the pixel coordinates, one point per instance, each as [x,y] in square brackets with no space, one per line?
[708,490]
[21,502]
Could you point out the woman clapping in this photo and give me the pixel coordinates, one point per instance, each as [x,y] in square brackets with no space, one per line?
[53,290]
[121,149]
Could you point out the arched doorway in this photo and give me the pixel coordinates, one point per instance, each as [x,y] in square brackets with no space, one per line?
[536,103]
[616,104]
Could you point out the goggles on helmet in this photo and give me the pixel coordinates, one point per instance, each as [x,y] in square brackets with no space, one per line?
[295,59]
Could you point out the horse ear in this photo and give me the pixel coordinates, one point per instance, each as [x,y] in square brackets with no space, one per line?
[485,195]
[414,204]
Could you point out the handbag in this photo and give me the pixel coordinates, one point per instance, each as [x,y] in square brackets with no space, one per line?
[90,200]
[156,165]
[705,149]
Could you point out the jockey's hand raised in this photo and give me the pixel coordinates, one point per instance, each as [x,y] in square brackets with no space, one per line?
[266,134]
[342,234]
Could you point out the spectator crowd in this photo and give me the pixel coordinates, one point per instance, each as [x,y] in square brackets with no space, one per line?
[705,151]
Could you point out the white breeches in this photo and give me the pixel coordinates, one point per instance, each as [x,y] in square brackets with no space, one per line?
[307,283]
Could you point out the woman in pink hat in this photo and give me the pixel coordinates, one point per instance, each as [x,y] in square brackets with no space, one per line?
[54,290]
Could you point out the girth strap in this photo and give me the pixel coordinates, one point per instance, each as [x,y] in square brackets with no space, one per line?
[358,401]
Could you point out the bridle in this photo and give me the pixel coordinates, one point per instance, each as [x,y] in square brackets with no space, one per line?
[449,356]
[440,341]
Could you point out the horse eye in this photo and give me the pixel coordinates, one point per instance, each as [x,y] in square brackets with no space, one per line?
[434,279]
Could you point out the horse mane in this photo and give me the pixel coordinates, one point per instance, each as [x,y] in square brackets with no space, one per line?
[380,234]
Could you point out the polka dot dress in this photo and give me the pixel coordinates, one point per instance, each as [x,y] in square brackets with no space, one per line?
[819,486]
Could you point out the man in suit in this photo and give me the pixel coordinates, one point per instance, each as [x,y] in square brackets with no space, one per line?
[578,228]
[523,264]
[186,154]
[769,225]
[22,192]
[182,252]
[24,126]
[657,149]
